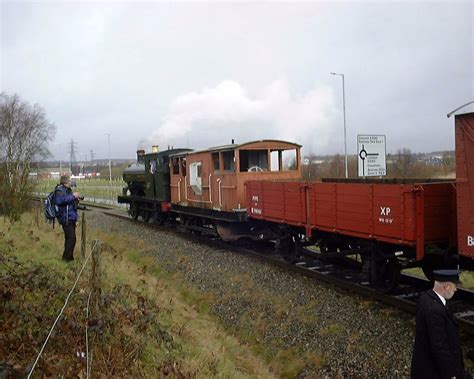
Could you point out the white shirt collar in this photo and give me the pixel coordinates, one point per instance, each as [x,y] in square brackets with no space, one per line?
[443,300]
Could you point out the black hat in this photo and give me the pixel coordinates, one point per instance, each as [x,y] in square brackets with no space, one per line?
[447,276]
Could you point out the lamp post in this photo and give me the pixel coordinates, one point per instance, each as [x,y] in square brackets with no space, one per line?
[110,166]
[344,112]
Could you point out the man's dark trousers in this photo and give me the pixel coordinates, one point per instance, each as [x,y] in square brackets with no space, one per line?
[69,240]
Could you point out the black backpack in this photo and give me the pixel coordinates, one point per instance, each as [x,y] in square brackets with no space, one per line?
[50,209]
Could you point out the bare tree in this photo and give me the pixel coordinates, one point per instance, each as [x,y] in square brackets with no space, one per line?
[336,166]
[404,161]
[449,164]
[24,135]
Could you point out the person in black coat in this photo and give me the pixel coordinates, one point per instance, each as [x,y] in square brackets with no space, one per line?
[437,351]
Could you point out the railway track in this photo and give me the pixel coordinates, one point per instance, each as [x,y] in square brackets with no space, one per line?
[340,274]
[344,276]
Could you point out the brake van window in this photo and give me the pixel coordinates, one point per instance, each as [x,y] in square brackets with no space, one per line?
[195,179]
[253,160]
[229,160]
[215,161]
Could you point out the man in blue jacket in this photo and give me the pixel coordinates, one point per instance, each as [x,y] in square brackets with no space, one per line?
[66,202]
[437,351]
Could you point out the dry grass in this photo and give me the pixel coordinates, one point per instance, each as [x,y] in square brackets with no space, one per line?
[292,360]
[332,330]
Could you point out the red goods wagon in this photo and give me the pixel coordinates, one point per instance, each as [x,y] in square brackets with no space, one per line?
[465,183]
[281,202]
[399,214]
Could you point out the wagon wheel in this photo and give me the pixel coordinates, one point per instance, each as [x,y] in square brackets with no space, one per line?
[288,248]
[294,250]
[387,274]
[324,247]
[133,211]
[146,215]
[282,246]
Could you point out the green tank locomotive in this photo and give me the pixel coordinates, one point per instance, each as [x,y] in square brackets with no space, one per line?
[148,185]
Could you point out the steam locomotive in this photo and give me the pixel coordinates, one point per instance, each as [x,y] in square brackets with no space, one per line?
[255,191]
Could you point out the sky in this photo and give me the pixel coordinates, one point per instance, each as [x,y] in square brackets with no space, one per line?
[188,74]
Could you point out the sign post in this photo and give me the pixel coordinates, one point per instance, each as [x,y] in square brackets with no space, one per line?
[371,155]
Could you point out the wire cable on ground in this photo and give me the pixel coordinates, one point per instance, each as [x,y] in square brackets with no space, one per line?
[61,312]
[87,337]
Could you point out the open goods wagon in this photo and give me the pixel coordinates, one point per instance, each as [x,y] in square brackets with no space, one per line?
[399,219]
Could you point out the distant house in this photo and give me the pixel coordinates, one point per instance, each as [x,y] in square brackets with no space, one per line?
[308,160]
[434,160]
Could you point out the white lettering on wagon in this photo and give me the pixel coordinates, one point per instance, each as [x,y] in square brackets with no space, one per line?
[254,198]
[385,211]
[256,211]
[384,215]
[470,241]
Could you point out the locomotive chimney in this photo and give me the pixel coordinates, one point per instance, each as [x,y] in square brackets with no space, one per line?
[155,149]
[140,155]
[232,141]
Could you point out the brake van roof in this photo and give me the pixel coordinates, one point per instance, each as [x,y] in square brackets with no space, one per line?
[284,145]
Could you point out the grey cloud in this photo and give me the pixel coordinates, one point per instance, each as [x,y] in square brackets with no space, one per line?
[123,68]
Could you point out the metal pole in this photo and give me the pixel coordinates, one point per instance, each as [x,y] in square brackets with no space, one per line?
[110,166]
[344,111]
[344,114]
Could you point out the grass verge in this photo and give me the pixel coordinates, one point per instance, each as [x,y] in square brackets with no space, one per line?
[146,323]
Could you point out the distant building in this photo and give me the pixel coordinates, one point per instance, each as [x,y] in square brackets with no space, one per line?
[307,161]
[434,160]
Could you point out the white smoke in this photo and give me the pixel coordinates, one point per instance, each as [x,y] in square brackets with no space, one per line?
[214,116]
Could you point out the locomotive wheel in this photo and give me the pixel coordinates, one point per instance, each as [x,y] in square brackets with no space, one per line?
[161,218]
[146,215]
[133,211]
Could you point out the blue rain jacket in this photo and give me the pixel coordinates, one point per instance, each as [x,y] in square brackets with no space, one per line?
[67,205]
